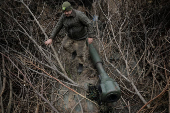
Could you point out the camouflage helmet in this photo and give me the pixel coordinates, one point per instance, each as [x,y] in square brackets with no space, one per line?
[66,6]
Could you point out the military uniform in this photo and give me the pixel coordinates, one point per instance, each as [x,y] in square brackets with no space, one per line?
[78,28]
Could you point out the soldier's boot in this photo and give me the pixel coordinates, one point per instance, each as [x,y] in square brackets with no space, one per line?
[80,68]
[74,54]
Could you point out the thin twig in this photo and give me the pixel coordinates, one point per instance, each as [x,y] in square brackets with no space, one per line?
[4,77]
[64,84]
[56,55]
[39,47]
[77,104]
[164,90]
[10,97]
[31,84]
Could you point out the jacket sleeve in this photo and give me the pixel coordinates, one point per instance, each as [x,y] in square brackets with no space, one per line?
[86,21]
[57,28]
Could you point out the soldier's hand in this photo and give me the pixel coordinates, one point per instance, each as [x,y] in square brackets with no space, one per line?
[48,42]
[90,40]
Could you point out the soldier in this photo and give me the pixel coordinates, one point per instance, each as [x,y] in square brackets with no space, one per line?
[78,28]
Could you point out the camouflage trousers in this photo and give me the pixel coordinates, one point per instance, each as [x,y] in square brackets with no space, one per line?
[79,47]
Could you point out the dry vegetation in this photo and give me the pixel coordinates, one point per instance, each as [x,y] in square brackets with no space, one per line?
[133,39]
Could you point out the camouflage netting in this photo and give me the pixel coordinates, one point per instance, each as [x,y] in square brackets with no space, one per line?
[133,40]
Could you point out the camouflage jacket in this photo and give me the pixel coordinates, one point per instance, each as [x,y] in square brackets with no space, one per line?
[77,26]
